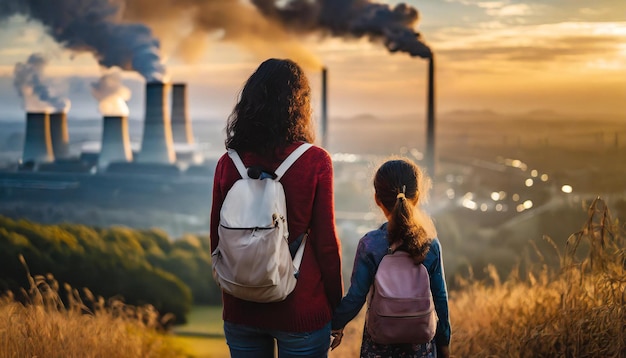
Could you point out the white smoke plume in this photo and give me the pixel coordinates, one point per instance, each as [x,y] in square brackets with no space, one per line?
[31,86]
[111,94]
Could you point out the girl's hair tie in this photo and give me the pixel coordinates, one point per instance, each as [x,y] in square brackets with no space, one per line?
[402,195]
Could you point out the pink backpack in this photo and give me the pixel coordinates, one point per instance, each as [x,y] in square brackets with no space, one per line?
[401,307]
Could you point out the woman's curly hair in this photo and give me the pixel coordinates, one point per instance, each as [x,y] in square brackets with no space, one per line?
[274,109]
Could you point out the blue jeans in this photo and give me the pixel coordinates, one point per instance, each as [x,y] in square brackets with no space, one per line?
[251,342]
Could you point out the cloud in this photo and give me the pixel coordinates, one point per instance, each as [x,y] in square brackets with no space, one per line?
[491,4]
[501,8]
[571,43]
[510,10]
[555,49]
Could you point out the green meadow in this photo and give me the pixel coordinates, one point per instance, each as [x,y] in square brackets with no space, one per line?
[203,336]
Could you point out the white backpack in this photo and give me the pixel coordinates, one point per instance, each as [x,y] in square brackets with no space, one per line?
[252,260]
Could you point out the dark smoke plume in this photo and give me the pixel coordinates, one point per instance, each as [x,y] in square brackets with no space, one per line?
[394,26]
[114,30]
[95,26]
[239,21]
[29,82]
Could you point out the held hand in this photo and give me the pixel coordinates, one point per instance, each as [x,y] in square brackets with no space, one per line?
[443,351]
[337,335]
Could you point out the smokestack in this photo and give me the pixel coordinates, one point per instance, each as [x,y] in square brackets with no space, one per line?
[37,142]
[430,129]
[324,108]
[59,135]
[156,145]
[181,125]
[115,141]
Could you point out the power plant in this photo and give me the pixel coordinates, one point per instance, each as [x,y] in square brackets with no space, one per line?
[113,179]
[157,145]
[164,127]
[59,135]
[38,141]
[181,125]
[115,141]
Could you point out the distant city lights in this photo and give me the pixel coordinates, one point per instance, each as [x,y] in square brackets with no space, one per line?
[469,203]
[515,197]
[516,163]
[524,206]
[498,195]
[450,193]
[566,189]
[529,182]
[528,204]
[544,177]
[534,173]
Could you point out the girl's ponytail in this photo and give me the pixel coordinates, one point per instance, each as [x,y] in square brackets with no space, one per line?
[397,185]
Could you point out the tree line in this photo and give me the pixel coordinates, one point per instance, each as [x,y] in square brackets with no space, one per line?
[140,266]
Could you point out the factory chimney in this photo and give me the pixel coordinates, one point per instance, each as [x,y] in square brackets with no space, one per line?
[37,142]
[59,135]
[324,116]
[156,144]
[115,141]
[431,158]
[181,125]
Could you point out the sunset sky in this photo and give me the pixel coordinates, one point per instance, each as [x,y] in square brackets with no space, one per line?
[567,56]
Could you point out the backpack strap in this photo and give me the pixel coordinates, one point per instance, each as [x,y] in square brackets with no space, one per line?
[297,257]
[241,168]
[280,171]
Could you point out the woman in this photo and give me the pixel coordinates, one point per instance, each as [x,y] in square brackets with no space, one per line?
[271,119]
[399,186]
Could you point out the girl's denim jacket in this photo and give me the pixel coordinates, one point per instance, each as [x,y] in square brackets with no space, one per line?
[370,251]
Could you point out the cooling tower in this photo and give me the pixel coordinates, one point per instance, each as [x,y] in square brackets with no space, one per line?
[181,125]
[156,144]
[37,141]
[59,135]
[115,141]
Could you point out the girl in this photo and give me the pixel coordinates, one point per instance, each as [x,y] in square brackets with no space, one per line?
[399,186]
[271,120]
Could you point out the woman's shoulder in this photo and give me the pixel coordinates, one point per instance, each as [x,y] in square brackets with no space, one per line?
[315,151]
[220,161]
[315,158]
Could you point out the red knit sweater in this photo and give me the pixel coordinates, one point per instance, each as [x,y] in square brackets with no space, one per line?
[308,186]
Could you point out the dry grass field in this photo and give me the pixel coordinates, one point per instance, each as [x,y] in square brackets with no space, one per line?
[47,327]
[577,311]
